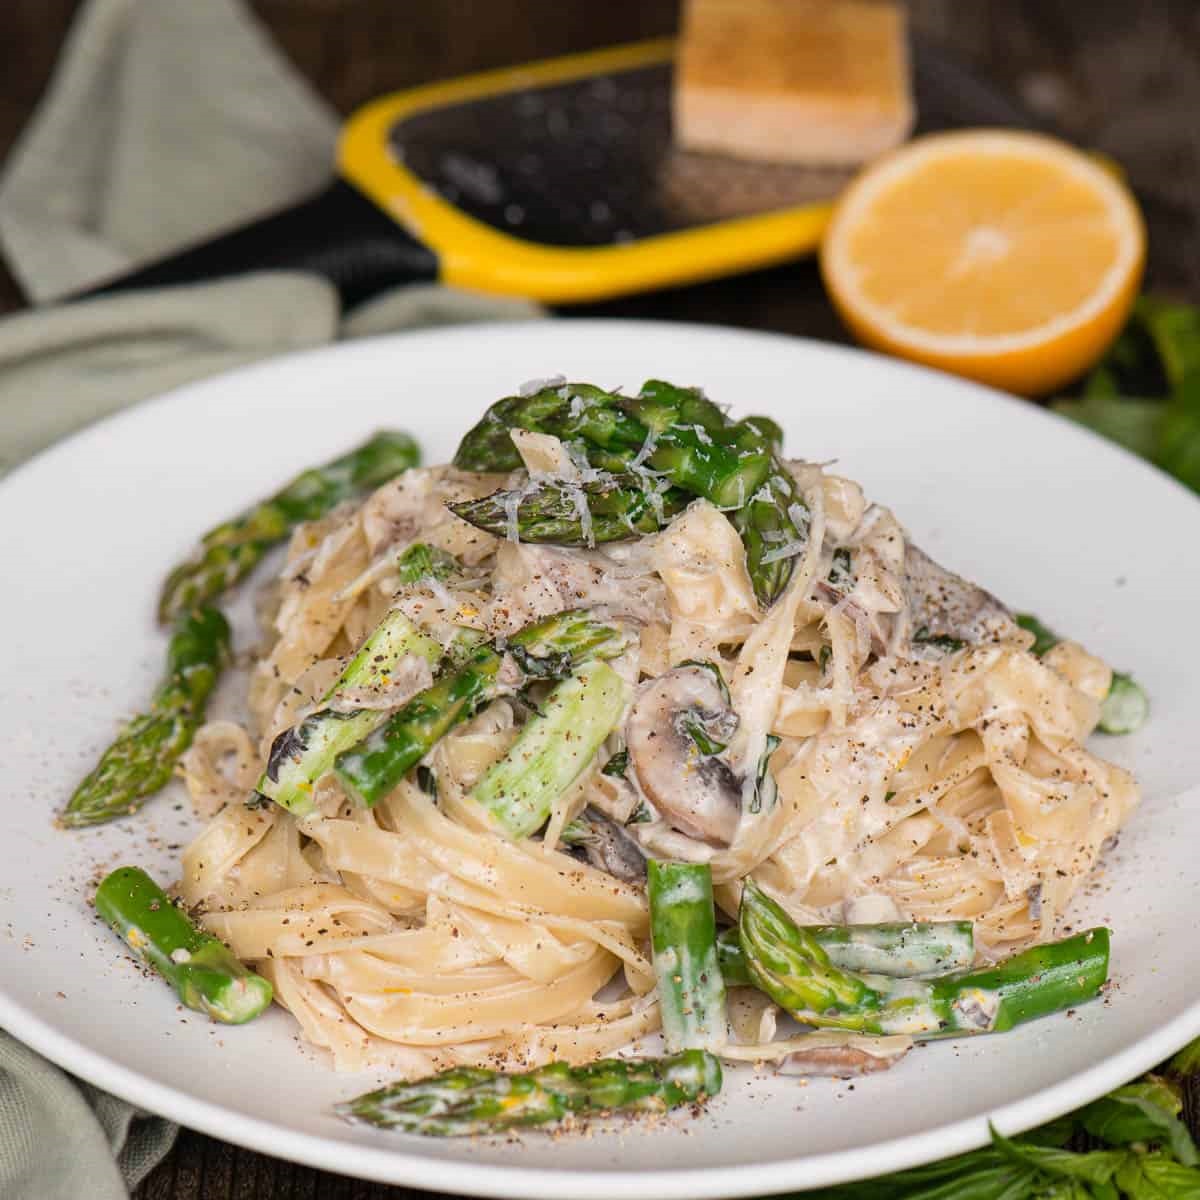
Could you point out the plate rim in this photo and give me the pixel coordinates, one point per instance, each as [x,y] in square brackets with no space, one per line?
[469,1177]
[489,1179]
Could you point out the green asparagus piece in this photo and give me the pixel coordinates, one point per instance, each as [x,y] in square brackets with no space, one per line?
[231,551]
[140,762]
[773,523]
[303,753]
[1123,710]
[789,964]
[903,950]
[553,749]
[678,433]
[471,1100]
[767,429]
[573,412]
[548,649]
[609,510]
[683,937]
[678,427]
[420,561]
[1174,330]
[201,968]
[659,404]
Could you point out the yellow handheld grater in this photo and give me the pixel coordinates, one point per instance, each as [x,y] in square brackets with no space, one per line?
[558,181]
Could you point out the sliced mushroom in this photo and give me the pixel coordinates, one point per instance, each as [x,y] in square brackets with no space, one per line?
[841,1061]
[605,845]
[945,607]
[697,793]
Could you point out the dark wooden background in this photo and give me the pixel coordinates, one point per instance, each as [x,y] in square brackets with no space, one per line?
[1122,76]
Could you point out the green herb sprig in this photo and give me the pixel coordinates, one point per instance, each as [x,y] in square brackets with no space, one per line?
[1145,392]
[1137,1148]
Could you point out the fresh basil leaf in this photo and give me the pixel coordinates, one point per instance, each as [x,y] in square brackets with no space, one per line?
[1187,1061]
[943,641]
[617,765]
[1178,450]
[1101,382]
[1096,1166]
[1133,423]
[1133,364]
[1155,1177]
[1174,330]
[765,790]
[705,664]
[1044,638]
[643,814]
[1054,1133]
[699,732]
[1141,1112]
[841,570]
[979,1175]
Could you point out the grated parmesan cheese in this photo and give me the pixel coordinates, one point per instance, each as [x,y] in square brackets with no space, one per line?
[579,499]
[531,387]
[648,448]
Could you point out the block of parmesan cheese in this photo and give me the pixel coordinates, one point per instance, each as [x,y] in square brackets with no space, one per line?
[798,81]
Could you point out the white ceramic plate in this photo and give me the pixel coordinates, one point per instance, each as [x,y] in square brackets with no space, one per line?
[1043,514]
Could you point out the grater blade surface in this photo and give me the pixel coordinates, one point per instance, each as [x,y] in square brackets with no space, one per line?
[590,162]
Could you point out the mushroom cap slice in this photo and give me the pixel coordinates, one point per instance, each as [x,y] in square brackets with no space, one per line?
[944,605]
[697,793]
[607,847]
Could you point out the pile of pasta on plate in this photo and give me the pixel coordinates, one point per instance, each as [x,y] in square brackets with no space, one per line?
[624,732]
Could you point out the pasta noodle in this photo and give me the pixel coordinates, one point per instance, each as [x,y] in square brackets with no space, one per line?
[914,779]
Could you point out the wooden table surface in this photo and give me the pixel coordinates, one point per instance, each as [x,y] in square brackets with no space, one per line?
[1122,76]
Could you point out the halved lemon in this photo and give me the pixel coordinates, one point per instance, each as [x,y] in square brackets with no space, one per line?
[1005,256]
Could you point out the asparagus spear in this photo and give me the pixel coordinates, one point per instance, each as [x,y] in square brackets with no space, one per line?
[773,523]
[553,749]
[1123,710]
[573,412]
[550,648]
[141,760]
[610,510]
[902,950]
[420,561]
[678,427]
[766,428]
[672,430]
[471,1100]
[202,969]
[691,992]
[231,551]
[789,964]
[303,753]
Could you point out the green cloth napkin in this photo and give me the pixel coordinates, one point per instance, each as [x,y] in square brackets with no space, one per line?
[166,120]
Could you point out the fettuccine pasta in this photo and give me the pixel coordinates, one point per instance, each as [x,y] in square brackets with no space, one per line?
[927,766]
